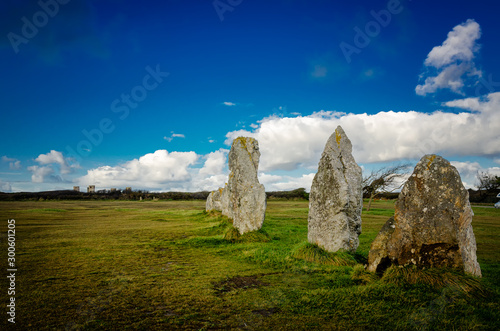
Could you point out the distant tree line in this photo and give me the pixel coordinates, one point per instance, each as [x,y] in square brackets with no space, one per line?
[135,195]
[103,195]
[479,196]
[297,194]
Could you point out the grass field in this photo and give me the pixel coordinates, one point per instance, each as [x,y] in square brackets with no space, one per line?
[164,265]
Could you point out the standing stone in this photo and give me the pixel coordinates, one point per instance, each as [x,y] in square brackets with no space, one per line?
[244,198]
[431,226]
[336,199]
[214,200]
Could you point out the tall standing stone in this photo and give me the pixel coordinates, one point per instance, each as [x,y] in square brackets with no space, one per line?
[336,200]
[244,198]
[214,200]
[431,226]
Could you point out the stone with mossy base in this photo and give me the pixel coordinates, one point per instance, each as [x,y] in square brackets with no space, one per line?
[335,200]
[244,198]
[431,226]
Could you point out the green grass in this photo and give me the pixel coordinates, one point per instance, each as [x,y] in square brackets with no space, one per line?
[167,265]
[313,253]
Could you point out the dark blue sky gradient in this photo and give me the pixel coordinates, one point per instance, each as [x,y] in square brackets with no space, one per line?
[261,56]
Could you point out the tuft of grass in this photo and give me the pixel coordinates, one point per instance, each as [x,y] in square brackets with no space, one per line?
[313,253]
[437,278]
[233,235]
[363,277]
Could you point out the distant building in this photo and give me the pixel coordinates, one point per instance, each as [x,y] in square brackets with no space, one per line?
[128,189]
[91,189]
[76,188]
[113,190]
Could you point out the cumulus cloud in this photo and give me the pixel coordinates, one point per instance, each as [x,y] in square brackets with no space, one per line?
[47,162]
[14,164]
[55,157]
[469,171]
[449,65]
[229,104]
[292,143]
[158,170]
[38,174]
[214,162]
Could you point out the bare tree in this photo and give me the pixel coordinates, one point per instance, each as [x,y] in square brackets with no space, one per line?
[487,181]
[384,180]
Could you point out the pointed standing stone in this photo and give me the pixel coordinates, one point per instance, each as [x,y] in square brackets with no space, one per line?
[336,200]
[431,226]
[244,198]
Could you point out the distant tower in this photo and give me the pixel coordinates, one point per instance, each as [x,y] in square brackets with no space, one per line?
[113,190]
[128,189]
[76,188]
[91,189]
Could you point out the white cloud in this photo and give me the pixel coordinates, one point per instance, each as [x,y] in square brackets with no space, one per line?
[158,170]
[466,168]
[215,162]
[55,157]
[174,135]
[292,143]
[14,164]
[39,173]
[460,45]
[469,170]
[47,162]
[230,104]
[448,65]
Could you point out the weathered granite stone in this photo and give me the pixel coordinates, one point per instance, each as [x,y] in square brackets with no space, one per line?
[432,222]
[244,198]
[214,200]
[335,200]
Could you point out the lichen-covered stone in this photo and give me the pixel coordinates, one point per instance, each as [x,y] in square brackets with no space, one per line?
[432,222]
[335,200]
[214,200]
[244,198]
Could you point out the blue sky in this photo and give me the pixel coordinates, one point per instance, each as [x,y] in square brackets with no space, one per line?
[150,94]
